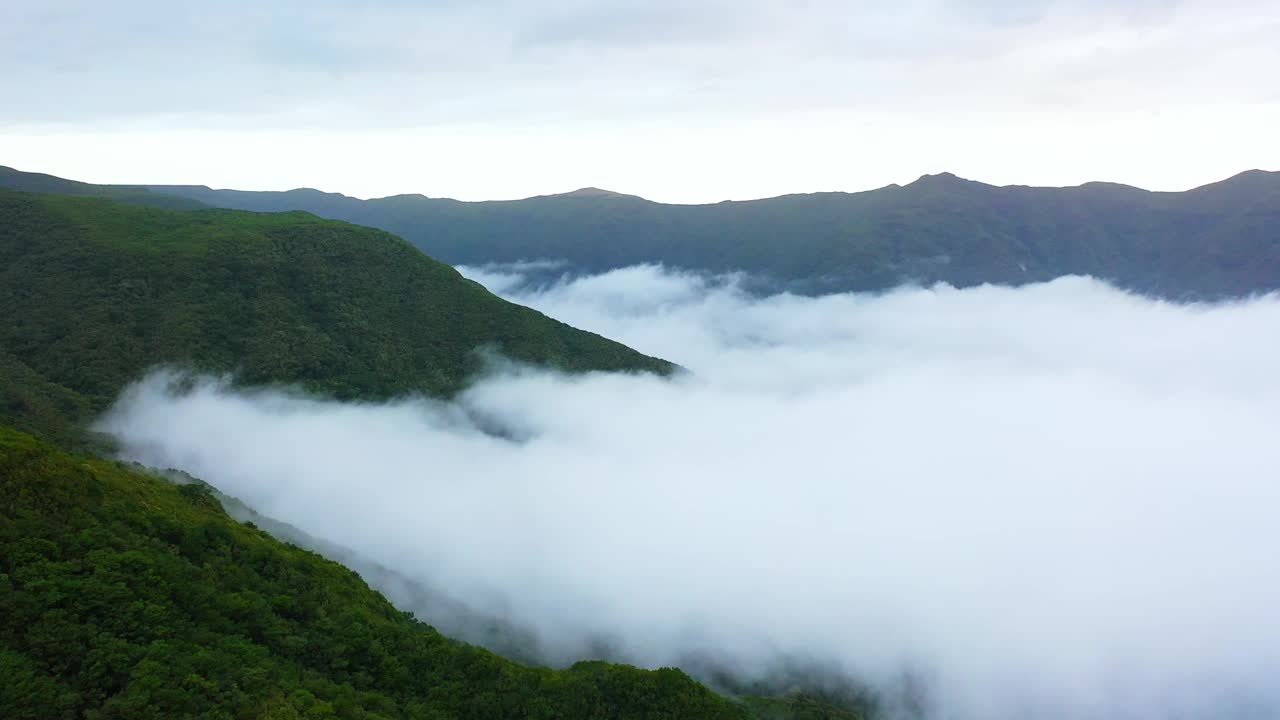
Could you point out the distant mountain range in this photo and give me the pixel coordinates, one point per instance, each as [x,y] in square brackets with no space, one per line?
[1218,240]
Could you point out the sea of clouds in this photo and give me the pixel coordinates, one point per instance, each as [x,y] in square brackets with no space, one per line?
[1052,501]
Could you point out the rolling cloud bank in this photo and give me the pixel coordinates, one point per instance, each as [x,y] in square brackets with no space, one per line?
[1056,501]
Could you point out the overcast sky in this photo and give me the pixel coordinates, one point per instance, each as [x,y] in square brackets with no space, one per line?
[677,100]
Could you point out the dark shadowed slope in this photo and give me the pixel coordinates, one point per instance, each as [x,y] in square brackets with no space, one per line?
[1219,240]
[95,292]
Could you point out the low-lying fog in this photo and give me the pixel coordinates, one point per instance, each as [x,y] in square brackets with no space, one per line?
[1055,501]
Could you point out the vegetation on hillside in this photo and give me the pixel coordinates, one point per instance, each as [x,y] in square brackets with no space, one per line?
[125,596]
[96,292]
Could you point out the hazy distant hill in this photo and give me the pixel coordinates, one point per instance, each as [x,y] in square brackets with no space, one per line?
[1220,239]
[39,182]
[94,292]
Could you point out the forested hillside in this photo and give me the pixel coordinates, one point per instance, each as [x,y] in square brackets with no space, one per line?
[96,292]
[125,596]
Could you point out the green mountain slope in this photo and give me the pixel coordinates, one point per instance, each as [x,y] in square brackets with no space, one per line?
[96,292]
[1221,239]
[124,596]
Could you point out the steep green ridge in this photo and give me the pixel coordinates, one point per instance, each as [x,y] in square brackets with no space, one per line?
[1219,240]
[95,292]
[38,182]
[125,596]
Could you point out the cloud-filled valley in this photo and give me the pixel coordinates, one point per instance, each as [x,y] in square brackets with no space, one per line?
[1050,501]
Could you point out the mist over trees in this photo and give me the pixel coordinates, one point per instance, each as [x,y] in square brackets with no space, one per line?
[1003,492]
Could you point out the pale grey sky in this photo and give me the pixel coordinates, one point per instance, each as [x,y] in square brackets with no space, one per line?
[687,101]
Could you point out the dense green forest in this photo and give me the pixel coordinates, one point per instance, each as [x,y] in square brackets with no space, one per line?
[123,595]
[95,292]
[1217,240]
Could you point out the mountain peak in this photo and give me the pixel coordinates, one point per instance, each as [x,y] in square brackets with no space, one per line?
[941,179]
[1250,184]
[590,192]
[1252,176]
[313,192]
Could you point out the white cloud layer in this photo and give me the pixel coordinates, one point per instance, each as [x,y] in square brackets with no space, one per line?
[1052,501]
